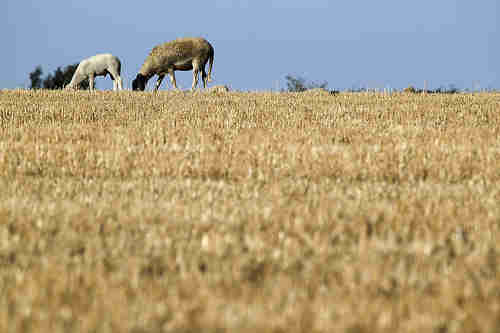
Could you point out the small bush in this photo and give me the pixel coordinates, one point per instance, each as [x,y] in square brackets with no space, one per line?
[299,84]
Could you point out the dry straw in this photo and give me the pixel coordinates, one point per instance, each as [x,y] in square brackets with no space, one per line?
[245,212]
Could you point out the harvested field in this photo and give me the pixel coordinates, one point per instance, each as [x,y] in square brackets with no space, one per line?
[249,212]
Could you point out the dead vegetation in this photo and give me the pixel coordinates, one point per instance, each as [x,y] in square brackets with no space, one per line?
[246,212]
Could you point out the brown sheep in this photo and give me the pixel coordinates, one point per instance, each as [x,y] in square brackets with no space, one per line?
[182,54]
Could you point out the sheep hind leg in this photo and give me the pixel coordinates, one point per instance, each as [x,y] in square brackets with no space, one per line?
[204,77]
[119,83]
[117,80]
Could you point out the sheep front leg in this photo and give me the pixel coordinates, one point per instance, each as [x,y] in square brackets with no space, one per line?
[171,73]
[158,81]
[204,77]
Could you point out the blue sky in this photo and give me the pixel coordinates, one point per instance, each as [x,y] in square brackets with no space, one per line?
[372,44]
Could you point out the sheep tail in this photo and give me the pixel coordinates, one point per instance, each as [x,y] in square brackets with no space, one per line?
[211,60]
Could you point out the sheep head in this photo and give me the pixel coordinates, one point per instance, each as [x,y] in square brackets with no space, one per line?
[69,86]
[139,82]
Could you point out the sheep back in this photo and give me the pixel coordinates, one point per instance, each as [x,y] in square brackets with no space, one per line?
[99,64]
[167,55]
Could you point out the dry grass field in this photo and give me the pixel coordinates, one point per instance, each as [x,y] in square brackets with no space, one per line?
[249,212]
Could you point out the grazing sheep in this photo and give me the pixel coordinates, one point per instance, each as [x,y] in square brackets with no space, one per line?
[98,65]
[182,54]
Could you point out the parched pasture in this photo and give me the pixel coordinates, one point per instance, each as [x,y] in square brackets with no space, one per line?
[249,212]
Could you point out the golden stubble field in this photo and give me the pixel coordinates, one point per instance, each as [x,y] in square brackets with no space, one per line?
[249,212]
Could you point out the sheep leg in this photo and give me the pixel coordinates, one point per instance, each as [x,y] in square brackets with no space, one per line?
[91,82]
[171,73]
[195,76]
[204,77]
[116,83]
[119,83]
[112,78]
[158,81]
[117,80]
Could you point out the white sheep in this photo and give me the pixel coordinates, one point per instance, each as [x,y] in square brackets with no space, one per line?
[98,65]
[182,54]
